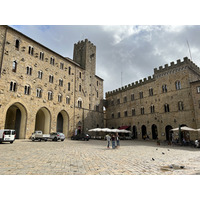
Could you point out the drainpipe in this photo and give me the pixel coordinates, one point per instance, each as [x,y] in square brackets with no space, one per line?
[74,100]
[3,50]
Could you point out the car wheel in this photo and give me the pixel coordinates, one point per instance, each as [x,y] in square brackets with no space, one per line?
[11,142]
[62,140]
[33,139]
[55,139]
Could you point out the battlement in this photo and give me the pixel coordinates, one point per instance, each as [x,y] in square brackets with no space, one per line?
[131,86]
[178,63]
[185,63]
[83,42]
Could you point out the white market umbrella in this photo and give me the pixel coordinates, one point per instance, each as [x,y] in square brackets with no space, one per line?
[106,130]
[184,128]
[114,130]
[124,131]
[95,130]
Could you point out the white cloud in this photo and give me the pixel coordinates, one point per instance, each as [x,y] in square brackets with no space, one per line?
[134,50]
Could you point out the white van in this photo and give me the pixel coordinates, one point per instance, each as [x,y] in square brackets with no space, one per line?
[7,135]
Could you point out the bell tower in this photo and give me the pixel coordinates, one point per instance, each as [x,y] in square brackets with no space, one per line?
[85,55]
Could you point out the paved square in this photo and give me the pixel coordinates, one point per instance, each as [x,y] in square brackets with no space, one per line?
[93,158]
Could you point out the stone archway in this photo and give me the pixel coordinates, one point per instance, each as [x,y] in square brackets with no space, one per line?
[154,132]
[63,122]
[16,117]
[42,121]
[144,131]
[168,132]
[134,132]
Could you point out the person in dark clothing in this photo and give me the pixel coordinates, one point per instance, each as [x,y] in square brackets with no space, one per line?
[113,141]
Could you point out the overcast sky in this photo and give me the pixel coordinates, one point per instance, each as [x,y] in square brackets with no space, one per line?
[125,54]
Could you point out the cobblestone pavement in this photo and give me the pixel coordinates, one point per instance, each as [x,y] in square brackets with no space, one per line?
[93,158]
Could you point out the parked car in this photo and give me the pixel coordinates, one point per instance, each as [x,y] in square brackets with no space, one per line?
[82,136]
[55,136]
[38,135]
[7,135]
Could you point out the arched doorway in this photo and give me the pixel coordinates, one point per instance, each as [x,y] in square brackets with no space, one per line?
[154,132]
[16,117]
[63,122]
[134,132]
[184,134]
[144,131]
[42,121]
[168,132]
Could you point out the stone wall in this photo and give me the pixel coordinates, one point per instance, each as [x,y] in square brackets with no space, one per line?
[185,72]
[29,105]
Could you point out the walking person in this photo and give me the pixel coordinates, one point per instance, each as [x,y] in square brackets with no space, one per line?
[113,141]
[108,140]
[117,140]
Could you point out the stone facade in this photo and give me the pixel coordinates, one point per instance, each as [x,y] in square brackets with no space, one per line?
[159,103]
[40,89]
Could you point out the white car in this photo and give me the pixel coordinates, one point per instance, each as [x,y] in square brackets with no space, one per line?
[55,136]
[7,135]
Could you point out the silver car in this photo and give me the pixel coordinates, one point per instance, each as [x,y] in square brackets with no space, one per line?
[55,136]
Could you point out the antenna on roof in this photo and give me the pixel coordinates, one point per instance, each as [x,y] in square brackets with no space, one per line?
[189,50]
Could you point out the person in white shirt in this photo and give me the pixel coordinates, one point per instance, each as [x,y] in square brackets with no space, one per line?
[108,140]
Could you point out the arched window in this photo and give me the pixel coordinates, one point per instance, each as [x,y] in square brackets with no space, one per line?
[39,92]
[152,109]
[17,44]
[164,88]
[14,67]
[180,105]
[178,85]
[79,88]
[13,86]
[40,73]
[132,97]
[41,55]
[67,100]
[30,50]
[29,70]
[141,95]
[50,95]
[60,82]
[68,86]
[151,92]
[61,65]
[27,89]
[51,78]
[59,97]
[52,60]
[133,111]
[166,107]
[79,103]
[142,110]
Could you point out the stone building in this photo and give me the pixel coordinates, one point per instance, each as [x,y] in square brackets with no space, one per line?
[42,90]
[152,106]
